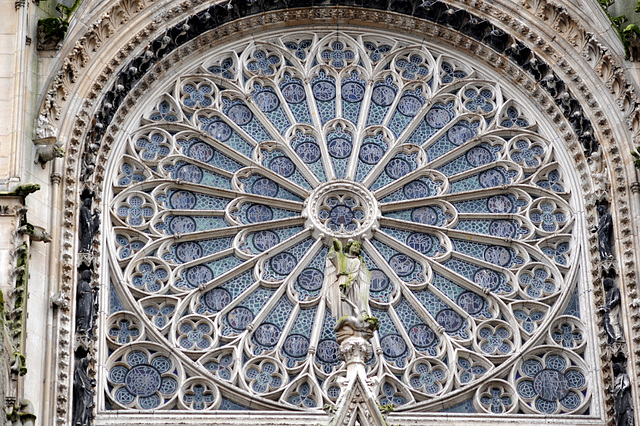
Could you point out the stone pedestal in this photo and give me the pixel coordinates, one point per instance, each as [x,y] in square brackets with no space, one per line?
[357,401]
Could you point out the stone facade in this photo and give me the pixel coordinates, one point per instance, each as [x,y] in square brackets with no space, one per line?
[69,115]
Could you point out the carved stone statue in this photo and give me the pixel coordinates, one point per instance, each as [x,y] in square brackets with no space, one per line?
[605,233]
[347,280]
[47,152]
[85,303]
[89,224]
[623,408]
[598,174]
[82,394]
[611,311]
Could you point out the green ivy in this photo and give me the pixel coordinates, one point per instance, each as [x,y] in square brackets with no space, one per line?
[617,23]
[55,28]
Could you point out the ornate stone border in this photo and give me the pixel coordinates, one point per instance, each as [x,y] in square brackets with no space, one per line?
[626,102]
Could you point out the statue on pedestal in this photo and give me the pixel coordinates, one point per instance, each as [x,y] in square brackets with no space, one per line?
[346,288]
[89,224]
[82,393]
[611,311]
[623,408]
[346,285]
[605,233]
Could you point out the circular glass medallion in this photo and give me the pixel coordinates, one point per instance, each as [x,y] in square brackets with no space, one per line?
[201,151]
[497,255]
[186,252]
[264,186]
[397,167]
[352,92]
[422,336]
[479,156]
[502,228]
[219,130]
[217,299]
[491,178]
[409,105]
[283,263]
[450,320]
[296,346]
[500,204]
[339,148]
[550,385]
[402,264]
[328,351]
[487,278]
[459,134]
[393,345]
[267,101]
[324,91]
[267,334]
[197,275]
[437,117]
[370,153]
[282,166]
[189,173]
[383,95]
[308,152]
[293,93]
[311,279]
[259,213]
[182,225]
[420,242]
[470,302]
[264,240]
[239,318]
[183,200]
[143,380]
[416,189]
[425,215]
[379,281]
[240,114]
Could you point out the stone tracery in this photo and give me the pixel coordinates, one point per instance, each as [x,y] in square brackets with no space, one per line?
[421,131]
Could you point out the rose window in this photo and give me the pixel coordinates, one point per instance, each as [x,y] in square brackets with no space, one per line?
[221,221]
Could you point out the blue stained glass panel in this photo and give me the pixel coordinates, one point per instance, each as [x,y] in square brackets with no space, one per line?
[382,97]
[323,87]
[353,91]
[294,94]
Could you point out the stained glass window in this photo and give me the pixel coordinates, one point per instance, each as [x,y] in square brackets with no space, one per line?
[230,188]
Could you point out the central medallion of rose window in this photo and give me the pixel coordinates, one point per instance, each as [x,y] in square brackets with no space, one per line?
[342,209]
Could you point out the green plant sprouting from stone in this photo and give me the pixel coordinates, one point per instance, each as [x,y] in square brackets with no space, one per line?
[53,29]
[627,33]
[635,153]
[16,315]
[373,322]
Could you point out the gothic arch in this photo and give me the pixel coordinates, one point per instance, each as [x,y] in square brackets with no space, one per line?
[89,144]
